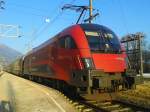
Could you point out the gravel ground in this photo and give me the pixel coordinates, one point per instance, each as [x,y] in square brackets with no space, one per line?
[140,96]
[27,96]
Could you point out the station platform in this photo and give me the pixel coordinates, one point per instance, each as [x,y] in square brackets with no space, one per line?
[21,95]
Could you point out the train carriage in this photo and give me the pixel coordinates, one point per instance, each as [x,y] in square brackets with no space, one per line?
[16,66]
[84,56]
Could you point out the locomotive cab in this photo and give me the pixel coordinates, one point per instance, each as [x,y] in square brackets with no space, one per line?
[83,56]
[104,66]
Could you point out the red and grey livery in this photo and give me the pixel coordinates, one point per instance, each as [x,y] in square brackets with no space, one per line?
[84,56]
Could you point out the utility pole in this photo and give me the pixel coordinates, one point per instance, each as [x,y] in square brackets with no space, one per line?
[90,10]
[91,15]
[140,36]
[133,44]
[82,9]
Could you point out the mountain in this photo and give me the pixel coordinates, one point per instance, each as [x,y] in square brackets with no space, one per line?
[7,54]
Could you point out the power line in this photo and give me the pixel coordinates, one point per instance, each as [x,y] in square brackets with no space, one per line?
[26,7]
[72,1]
[58,7]
[47,26]
[29,13]
[51,22]
[22,11]
[123,16]
[43,29]
[33,8]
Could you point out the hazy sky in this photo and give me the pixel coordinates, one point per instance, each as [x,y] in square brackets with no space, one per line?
[122,16]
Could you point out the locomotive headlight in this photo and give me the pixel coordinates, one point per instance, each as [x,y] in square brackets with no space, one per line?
[88,63]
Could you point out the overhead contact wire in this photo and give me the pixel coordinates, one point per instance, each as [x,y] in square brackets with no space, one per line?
[53,20]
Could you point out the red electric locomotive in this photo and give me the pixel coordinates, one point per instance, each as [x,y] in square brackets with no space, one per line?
[84,56]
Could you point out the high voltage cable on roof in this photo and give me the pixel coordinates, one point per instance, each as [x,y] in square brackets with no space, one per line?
[83,17]
[82,9]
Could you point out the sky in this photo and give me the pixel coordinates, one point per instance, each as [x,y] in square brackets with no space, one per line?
[39,20]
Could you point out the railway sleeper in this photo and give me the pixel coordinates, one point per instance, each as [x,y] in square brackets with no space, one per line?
[122,110]
[111,107]
[95,103]
[81,107]
[91,101]
[104,104]
[88,110]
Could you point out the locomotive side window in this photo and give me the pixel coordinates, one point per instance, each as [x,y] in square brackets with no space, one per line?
[67,42]
[62,42]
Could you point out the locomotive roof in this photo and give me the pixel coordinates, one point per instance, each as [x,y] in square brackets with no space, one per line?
[87,26]
[94,27]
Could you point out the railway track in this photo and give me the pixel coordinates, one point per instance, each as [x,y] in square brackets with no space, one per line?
[105,106]
[84,105]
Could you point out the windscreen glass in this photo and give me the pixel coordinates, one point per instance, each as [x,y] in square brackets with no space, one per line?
[103,40]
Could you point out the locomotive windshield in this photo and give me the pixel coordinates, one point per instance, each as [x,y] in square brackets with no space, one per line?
[101,39]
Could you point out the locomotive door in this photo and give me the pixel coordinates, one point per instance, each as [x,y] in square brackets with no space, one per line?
[54,52]
[29,67]
[66,53]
